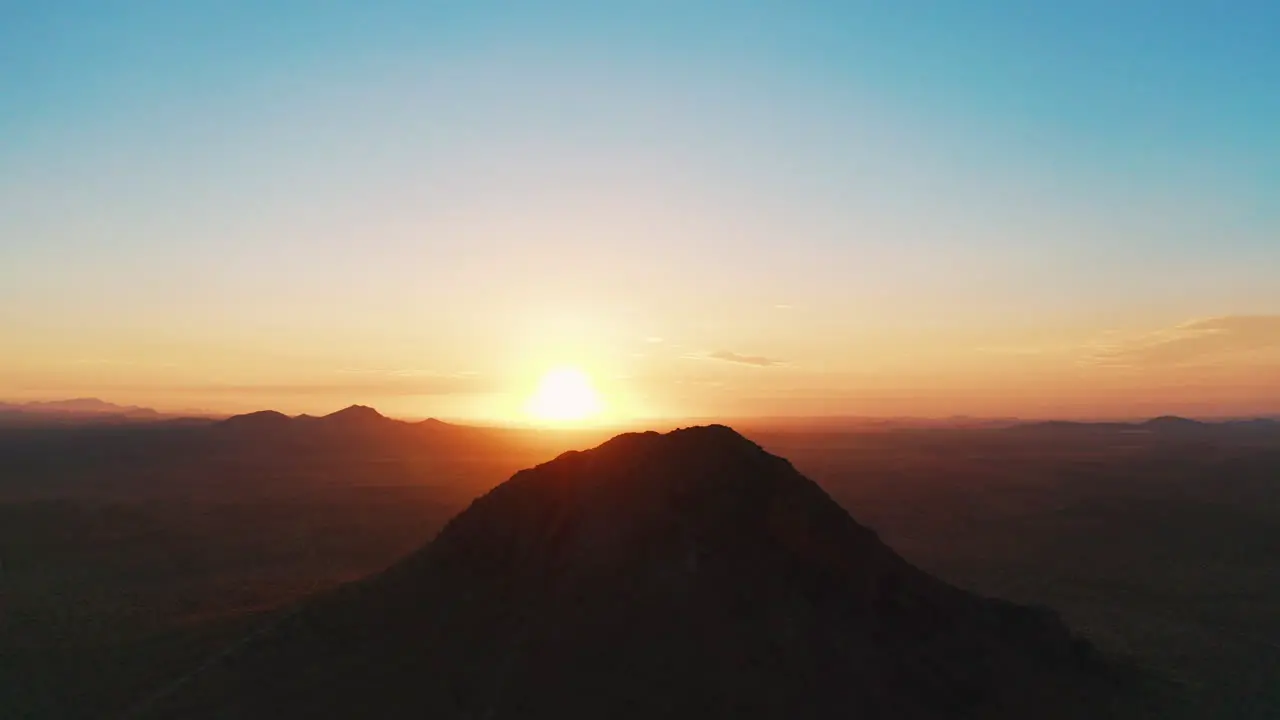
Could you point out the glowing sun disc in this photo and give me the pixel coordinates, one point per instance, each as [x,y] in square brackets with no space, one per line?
[564,395]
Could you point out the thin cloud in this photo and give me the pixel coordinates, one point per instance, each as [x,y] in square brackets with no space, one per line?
[1194,341]
[756,360]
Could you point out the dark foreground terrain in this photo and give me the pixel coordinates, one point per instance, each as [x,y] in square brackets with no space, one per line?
[683,575]
[132,555]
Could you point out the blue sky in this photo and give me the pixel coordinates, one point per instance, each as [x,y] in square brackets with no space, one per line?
[278,188]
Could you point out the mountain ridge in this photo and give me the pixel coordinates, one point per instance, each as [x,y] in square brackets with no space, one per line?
[681,574]
[352,417]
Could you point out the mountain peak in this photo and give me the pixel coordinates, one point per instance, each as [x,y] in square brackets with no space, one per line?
[695,490]
[261,419]
[686,574]
[1171,422]
[355,414]
[706,435]
[692,443]
[701,459]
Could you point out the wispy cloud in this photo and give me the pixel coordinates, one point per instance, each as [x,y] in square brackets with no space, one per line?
[1193,341]
[756,360]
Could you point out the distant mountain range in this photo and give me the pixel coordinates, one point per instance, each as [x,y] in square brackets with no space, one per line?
[78,406]
[93,411]
[353,419]
[78,411]
[1165,424]
[261,452]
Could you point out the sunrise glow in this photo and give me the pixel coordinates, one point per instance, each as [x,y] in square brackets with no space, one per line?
[792,210]
[564,395]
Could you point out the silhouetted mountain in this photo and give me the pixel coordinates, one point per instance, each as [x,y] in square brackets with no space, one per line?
[1255,424]
[259,453]
[82,406]
[1174,423]
[79,411]
[350,419]
[1160,426]
[684,575]
[262,420]
[355,416]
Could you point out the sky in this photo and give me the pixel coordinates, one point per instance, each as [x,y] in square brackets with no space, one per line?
[712,208]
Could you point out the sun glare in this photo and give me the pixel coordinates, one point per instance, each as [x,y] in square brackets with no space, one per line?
[564,395]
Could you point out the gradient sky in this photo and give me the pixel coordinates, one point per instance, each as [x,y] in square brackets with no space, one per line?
[715,208]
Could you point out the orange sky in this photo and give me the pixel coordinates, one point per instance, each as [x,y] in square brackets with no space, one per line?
[1215,366]
[733,209]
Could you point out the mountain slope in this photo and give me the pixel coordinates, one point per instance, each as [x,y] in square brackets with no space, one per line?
[689,574]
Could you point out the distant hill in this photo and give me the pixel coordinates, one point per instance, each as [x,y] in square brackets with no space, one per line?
[355,416]
[354,420]
[70,412]
[260,452]
[686,575]
[78,406]
[1172,422]
[257,421]
[1255,423]
[1165,424]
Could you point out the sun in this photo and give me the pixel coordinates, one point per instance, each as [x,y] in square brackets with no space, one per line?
[564,395]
